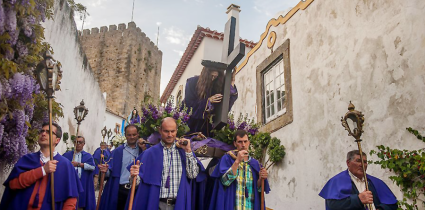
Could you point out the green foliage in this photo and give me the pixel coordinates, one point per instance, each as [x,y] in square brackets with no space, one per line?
[263,143]
[409,167]
[79,8]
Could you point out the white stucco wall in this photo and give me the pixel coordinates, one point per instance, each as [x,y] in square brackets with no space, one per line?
[369,52]
[78,81]
[111,120]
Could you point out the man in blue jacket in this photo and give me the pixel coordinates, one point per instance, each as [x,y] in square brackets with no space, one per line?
[347,190]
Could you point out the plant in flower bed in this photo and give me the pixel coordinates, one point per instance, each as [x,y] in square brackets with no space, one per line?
[242,123]
[153,114]
[23,108]
[409,167]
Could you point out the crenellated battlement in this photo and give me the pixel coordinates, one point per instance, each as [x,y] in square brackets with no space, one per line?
[121,27]
[126,63]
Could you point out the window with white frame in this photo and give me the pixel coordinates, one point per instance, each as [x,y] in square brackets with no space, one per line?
[274,90]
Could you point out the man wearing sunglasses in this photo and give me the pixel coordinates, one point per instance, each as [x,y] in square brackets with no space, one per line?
[84,166]
[28,185]
[347,190]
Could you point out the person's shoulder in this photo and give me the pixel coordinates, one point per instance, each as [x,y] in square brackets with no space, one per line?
[62,160]
[192,79]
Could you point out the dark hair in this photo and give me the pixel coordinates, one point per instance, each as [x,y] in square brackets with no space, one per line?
[103,143]
[351,154]
[240,133]
[137,114]
[58,128]
[131,125]
[206,85]
[82,138]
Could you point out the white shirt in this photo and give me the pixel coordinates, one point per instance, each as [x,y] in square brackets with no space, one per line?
[360,185]
[44,160]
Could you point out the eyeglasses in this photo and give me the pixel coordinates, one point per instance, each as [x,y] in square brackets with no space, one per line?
[47,131]
[80,142]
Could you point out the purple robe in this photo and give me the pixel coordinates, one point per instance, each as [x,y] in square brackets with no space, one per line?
[197,122]
[109,199]
[340,187]
[67,184]
[224,197]
[96,157]
[147,194]
[86,199]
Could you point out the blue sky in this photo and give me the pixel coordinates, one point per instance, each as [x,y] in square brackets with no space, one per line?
[178,19]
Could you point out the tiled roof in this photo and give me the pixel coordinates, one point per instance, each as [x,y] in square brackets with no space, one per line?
[191,48]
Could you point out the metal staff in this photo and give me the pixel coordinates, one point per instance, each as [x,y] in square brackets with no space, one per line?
[80,112]
[358,119]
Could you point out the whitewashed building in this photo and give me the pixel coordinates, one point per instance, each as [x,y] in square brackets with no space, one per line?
[307,67]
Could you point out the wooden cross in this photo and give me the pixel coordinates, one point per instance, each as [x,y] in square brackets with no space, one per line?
[230,56]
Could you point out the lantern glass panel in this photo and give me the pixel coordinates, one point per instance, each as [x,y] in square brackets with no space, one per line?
[43,79]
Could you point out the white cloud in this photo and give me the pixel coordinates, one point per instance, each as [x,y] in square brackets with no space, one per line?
[158,23]
[175,35]
[179,52]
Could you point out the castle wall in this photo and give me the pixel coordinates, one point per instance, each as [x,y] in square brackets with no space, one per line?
[126,64]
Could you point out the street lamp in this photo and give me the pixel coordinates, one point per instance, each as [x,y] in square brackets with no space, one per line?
[49,74]
[356,120]
[80,112]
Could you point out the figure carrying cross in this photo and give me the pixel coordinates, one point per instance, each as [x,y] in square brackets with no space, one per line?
[214,92]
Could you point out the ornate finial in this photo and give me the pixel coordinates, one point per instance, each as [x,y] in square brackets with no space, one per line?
[82,102]
[351,106]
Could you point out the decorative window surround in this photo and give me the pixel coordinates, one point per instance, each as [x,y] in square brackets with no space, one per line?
[283,117]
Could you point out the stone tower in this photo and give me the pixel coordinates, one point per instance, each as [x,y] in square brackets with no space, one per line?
[126,63]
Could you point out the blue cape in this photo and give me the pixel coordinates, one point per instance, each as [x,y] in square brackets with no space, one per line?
[96,157]
[225,197]
[147,194]
[109,199]
[339,187]
[67,184]
[86,199]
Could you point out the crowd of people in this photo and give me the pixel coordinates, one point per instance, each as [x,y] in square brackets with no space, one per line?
[166,176]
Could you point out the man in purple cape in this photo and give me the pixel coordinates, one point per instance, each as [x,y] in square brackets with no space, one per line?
[84,166]
[34,170]
[347,190]
[202,93]
[117,186]
[97,153]
[166,172]
[238,179]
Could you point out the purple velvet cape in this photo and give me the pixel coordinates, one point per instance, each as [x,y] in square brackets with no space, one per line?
[147,194]
[67,184]
[86,199]
[339,187]
[109,199]
[197,123]
[96,157]
[225,197]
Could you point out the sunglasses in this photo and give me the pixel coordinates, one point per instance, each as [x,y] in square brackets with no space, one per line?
[80,142]
[47,131]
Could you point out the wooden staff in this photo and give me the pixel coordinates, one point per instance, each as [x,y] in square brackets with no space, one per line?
[369,206]
[52,177]
[75,141]
[262,194]
[102,179]
[133,188]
